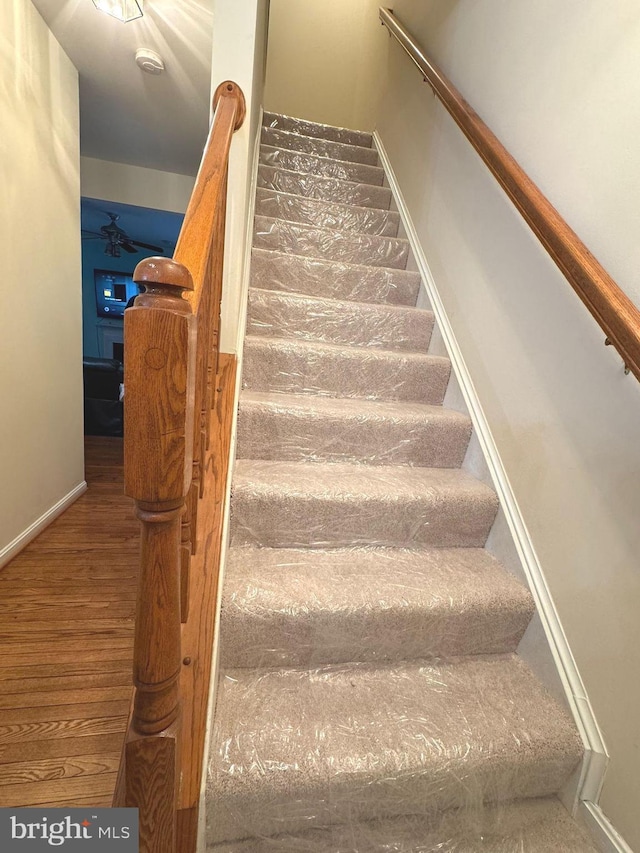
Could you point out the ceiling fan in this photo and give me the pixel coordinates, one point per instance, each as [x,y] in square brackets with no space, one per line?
[117,239]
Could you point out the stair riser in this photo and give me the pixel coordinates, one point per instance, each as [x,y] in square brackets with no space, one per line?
[299,748]
[526,826]
[284,520]
[351,373]
[325,167]
[324,189]
[264,638]
[271,433]
[276,138]
[276,271]
[321,131]
[294,208]
[347,323]
[344,246]
[343,802]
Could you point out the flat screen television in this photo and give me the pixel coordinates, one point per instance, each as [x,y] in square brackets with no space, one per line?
[113,291]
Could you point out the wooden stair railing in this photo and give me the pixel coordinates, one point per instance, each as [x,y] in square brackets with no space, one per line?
[171,363]
[612,309]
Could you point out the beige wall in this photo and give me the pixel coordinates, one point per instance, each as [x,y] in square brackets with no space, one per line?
[41,451]
[557,83]
[326,61]
[127,184]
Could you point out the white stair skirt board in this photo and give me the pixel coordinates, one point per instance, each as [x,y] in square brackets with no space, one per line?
[602,830]
[28,535]
[589,784]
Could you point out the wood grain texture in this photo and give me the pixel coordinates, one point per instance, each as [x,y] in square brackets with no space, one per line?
[197,634]
[150,786]
[159,334]
[66,637]
[612,309]
[193,247]
[171,360]
[187,830]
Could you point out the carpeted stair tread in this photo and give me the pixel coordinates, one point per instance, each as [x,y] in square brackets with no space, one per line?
[332,279]
[298,749]
[311,211]
[319,187]
[276,137]
[329,244]
[540,825]
[310,428]
[292,607]
[321,131]
[310,504]
[304,367]
[297,161]
[337,321]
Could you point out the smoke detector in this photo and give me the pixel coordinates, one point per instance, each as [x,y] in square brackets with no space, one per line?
[149,61]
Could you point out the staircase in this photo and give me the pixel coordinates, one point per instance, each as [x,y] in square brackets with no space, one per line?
[371,697]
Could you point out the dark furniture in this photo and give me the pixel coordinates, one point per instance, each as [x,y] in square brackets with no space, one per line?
[102,405]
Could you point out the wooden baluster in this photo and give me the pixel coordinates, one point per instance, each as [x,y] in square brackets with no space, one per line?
[204,347]
[200,396]
[159,382]
[185,560]
[217,268]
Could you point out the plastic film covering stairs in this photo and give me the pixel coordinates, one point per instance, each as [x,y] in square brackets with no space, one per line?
[382,742]
[368,605]
[314,276]
[348,247]
[345,217]
[534,826]
[283,179]
[368,641]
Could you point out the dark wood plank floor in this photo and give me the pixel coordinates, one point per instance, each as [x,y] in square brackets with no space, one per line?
[66,646]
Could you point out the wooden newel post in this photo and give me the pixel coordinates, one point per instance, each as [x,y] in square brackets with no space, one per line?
[159,347]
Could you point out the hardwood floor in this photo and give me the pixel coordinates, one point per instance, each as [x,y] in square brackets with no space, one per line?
[66,646]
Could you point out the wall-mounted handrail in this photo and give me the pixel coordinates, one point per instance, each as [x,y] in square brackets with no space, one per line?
[171,360]
[612,309]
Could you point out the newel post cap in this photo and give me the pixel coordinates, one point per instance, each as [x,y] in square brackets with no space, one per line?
[163,271]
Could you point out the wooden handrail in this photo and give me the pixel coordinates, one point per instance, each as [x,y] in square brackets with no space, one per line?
[193,248]
[612,309]
[171,361]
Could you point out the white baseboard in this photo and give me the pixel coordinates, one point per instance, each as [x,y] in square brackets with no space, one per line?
[596,757]
[28,535]
[602,830]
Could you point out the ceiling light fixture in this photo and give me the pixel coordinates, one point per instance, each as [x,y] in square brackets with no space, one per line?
[123,10]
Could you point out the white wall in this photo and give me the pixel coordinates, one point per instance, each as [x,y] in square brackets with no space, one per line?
[126,184]
[326,61]
[239,49]
[41,444]
[557,83]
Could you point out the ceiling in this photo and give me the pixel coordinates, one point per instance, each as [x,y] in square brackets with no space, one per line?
[129,116]
[157,227]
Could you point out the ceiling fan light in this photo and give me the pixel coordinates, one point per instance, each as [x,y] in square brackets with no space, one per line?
[123,10]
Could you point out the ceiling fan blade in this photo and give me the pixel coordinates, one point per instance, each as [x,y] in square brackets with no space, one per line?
[129,248]
[86,233]
[147,246]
